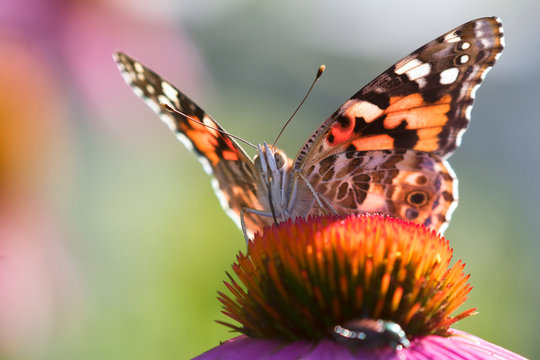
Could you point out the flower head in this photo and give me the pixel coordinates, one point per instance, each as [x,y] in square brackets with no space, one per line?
[344,287]
[303,278]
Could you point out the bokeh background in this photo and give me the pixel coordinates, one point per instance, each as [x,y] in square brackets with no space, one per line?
[112,244]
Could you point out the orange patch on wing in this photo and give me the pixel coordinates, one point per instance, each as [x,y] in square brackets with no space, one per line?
[377,142]
[398,103]
[416,112]
[341,133]
[428,139]
[418,118]
[203,138]
[230,155]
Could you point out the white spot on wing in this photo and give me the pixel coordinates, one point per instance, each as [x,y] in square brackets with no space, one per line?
[138,92]
[459,136]
[184,140]
[155,107]
[168,120]
[484,73]
[465,45]
[138,67]
[128,77]
[169,91]
[373,202]
[473,90]
[486,43]
[418,72]
[448,76]
[468,112]
[207,121]
[189,145]
[454,204]
[365,109]
[165,100]
[444,226]
[225,203]
[403,68]
[452,38]
[205,164]
[421,82]
[463,59]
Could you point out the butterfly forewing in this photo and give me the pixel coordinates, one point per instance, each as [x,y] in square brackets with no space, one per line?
[235,180]
[423,102]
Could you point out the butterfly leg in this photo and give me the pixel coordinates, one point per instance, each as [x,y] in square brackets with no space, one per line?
[329,206]
[243,220]
[316,195]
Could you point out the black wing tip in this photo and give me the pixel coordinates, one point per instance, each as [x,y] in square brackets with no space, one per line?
[121,57]
[118,56]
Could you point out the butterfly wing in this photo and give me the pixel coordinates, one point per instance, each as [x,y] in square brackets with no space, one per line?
[407,184]
[413,113]
[235,180]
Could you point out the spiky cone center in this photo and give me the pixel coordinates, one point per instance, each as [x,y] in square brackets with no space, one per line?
[301,278]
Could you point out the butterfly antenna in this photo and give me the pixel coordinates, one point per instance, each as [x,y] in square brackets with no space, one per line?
[170,109]
[319,73]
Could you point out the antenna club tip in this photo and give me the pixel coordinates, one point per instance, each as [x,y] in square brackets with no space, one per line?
[321,70]
[166,107]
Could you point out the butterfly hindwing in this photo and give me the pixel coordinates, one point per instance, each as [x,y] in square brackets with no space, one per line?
[406,184]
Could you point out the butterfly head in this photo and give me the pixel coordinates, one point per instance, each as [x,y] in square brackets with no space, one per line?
[270,162]
[273,167]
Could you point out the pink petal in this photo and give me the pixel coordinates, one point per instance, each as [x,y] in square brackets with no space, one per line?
[458,346]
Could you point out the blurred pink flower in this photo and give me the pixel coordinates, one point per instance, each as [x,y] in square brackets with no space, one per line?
[56,72]
[38,285]
[92,32]
[77,39]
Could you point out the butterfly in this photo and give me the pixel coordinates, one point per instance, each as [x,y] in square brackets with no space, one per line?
[384,151]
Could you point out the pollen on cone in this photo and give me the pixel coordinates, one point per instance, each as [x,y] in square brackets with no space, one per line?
[300,278]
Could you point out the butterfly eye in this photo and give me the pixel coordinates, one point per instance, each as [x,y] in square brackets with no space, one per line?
[257,163]
[280,160]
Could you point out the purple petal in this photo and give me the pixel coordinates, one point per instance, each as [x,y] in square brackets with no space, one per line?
[460,345]
[243,347]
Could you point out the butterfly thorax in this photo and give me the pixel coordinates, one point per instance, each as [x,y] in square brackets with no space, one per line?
[274,170]
[286,195]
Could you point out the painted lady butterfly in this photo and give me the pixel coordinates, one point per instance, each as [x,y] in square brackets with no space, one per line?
[383,151]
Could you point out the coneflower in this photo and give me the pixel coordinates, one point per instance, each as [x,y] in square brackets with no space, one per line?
[369,287]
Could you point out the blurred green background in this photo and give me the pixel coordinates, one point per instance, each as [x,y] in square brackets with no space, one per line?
[112,243]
